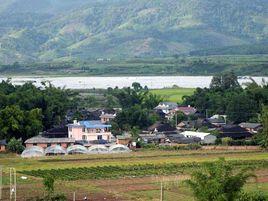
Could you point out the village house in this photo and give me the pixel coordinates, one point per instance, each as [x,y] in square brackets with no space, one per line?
[186,125]
[125,139]
[188,110]
[181,139]
[235,132]
[106,117]
[3,145]
[160,127]
[153,138]
[206,138]
[45,142]
[251,127]
[168,108]
[90,131]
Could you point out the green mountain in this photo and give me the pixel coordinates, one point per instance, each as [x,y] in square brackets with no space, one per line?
[65,30]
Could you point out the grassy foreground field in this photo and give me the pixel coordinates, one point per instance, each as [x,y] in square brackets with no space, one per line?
[76,174]
[173,94]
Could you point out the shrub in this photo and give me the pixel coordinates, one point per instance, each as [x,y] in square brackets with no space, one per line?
[226,141]
[15,146]
[218,181]
[48,183]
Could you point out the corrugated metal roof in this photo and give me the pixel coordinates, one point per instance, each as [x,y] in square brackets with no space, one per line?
[195,134]
[40,139]
[91,124]
[94,124]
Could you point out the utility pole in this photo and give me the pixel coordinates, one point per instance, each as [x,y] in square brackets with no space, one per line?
[176,116]
[13,184]
[1,181]
[162,192]
[74,197]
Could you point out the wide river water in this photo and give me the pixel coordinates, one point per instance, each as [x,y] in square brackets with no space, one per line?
[153,82]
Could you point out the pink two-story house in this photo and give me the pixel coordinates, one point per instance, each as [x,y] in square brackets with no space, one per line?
[89,131]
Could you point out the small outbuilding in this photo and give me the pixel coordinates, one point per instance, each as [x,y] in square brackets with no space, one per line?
[3,145]
[251,127]
[235,132]
[124,139]
[47,142]
[206,138]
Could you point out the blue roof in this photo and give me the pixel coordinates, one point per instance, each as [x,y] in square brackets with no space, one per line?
[94,124]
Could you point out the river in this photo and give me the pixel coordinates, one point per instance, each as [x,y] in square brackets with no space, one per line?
[153,82]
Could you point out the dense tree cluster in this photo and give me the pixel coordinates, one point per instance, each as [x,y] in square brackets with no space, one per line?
[26,110]
[137,104]
[226,96]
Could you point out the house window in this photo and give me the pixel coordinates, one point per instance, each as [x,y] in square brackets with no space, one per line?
[83,129]
[70,129]
[99,137]
[34,144]
[48,145]
[84,137]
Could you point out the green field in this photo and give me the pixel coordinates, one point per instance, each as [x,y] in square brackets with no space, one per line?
[173,94]
[134,176]
[254,65]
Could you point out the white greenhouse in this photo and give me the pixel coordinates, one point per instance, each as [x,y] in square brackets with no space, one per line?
[98,149]
[77,149]
[33,151]
[55,150]
[119,148]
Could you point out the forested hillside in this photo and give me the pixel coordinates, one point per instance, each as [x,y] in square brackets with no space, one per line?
[65,30]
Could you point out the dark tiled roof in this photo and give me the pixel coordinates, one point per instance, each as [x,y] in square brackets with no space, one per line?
[216,121]
[57,131]
[161,127]
[234,131]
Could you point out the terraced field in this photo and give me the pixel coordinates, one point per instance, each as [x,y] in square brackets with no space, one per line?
[134,176]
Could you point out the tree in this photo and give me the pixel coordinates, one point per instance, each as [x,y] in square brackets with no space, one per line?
[241,108]
[15,146]
[225,81]
[218,181]
[11,122]
[264,133]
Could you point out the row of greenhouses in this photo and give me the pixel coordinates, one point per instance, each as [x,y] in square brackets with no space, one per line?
[36,151]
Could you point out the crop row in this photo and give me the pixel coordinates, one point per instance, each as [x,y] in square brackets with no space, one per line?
[109,172]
